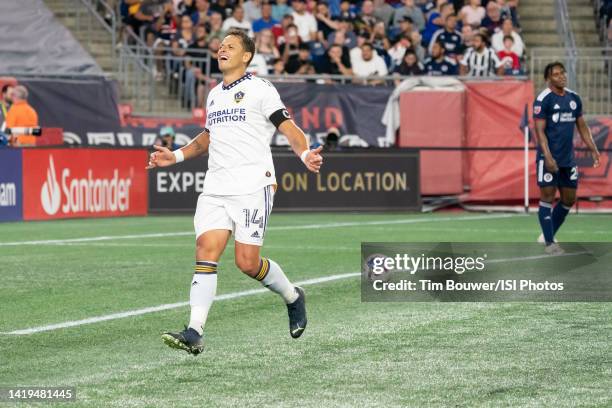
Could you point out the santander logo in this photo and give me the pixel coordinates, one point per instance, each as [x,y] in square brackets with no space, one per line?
[86,194]
[50,195]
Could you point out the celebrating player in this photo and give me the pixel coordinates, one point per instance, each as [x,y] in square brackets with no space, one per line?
[243,113]
[556,111]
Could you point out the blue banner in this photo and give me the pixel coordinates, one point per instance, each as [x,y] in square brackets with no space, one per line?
[11,201]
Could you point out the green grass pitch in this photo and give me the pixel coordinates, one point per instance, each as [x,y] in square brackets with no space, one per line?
[353,354]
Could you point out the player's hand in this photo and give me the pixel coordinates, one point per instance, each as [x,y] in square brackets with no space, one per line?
[595,157]
[163,157]
[551,165]
[314,160]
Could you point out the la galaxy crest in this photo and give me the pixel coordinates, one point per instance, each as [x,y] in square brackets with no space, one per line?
[238,96]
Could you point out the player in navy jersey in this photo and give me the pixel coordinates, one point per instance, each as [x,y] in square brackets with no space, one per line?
[557,110]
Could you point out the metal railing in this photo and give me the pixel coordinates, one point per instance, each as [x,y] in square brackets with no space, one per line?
[88,14]
[566,34]
[158,81]
[592,74]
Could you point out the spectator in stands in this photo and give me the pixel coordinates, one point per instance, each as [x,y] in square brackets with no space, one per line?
[436,20]
[412,11]
[449,37]
[223,7]
[512,64]
[184,37]
[264,46]
[498,39]
[417,40]
[339,38]
[137,16]
[325,23]
[343,36]
[216,26]
[346,13]
[480,60]
[405,29]
[305,66]
[21,115]
[335,62]
[472,13]
[278,67]
[5,103]
[196,67]
[185,7]
[467,35]
[439,64]
[252,10]
[266,21]
[384,12]
[258,65]
[368,63]
[238,21]
[398,50]
[493,20]
[379,39]
[508,10]
[305,21]
[280,9]
[201,14]
[410,65]
[163,30]
[366,19]
[290,49]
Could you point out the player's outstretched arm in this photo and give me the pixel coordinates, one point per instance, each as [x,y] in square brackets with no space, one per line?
[587,138]
[163,157]
[549,161]
[311,158]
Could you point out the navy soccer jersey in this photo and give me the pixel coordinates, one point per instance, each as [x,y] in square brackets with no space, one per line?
[453,44]
[560,113]
[445,67]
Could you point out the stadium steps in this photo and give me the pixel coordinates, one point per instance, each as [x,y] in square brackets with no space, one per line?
[98,43]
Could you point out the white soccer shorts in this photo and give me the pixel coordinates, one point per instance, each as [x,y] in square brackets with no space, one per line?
[245,215]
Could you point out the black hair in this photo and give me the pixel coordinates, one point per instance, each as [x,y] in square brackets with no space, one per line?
[5,87]
[549,68]
[368,44]
[441,44]
[508,37]
[247,42]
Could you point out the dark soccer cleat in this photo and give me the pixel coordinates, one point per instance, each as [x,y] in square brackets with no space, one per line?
[188,340]
[297,314]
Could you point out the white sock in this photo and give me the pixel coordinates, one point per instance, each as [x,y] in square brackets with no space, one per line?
[203,289]
[272,277]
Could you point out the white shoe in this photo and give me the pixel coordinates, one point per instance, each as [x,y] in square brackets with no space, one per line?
[554,249]
[541,239]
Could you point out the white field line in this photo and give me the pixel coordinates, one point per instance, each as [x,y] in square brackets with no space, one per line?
[168,306]
[277,228]
[226,296]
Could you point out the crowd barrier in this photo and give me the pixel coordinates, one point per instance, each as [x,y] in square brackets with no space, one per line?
[53,183]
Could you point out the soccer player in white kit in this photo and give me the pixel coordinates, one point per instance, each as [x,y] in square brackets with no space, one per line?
[242,114]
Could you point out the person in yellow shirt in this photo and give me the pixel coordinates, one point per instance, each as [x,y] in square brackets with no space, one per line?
[21,114]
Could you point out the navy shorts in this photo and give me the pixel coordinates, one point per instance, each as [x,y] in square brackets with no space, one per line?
[565,177]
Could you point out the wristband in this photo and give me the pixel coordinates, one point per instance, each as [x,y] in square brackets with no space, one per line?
[304,154]
[178,155]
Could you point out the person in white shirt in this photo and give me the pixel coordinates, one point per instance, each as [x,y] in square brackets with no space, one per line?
[473,13]
[237,21]
[252,10]
[305,21]
[497,40]
[368,63]
[242,114]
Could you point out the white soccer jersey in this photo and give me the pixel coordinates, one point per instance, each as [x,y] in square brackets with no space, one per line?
[238,120]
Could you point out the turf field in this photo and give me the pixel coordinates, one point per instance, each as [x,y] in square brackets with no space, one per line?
[353,354]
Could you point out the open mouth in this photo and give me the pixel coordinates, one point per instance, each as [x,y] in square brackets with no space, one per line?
[223,58]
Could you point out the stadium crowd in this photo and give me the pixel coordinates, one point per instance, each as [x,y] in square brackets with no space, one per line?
[356,38]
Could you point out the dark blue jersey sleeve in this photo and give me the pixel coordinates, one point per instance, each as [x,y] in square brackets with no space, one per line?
[540,108]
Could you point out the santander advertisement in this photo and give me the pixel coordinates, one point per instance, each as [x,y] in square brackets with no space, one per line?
[67,183]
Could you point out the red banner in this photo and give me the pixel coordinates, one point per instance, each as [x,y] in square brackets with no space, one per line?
[68,183]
